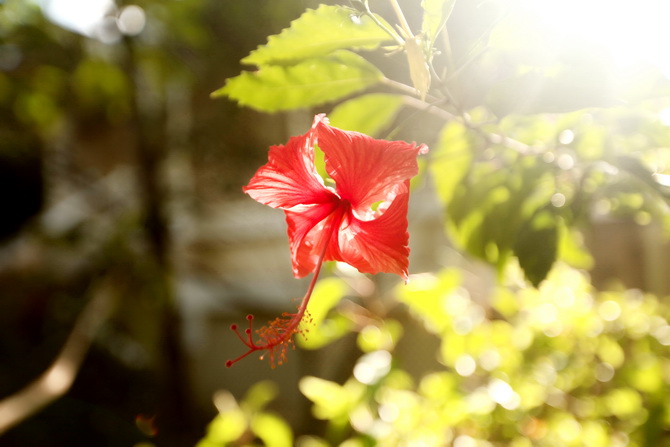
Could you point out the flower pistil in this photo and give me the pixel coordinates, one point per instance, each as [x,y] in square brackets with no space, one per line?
[277,335]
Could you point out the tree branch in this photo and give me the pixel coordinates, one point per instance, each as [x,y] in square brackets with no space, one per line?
[58,378]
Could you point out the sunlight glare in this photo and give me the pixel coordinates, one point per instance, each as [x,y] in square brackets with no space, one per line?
[633,32]
[81,16]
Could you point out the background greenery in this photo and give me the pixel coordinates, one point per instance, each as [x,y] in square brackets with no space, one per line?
[512,331]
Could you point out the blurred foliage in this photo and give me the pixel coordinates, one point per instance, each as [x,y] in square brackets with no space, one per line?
[86,122]
[248,419]
[558,365]
[531,143]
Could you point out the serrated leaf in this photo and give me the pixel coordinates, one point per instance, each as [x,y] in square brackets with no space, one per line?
[435,16]
[368,114]
[319,32]
[451,159]
[309,83]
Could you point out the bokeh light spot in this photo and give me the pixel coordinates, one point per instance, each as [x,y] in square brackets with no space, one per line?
[558,200]
[502,393]
[465,365]
[372,366]
[566,137]
[565,162]
[131,20]
[604,372]
[609,310]
[489,359]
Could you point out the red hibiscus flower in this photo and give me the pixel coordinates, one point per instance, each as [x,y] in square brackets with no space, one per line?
[361,221]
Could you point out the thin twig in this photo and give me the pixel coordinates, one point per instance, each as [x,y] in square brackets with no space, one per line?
[401,18]
[379,23]
[491,137]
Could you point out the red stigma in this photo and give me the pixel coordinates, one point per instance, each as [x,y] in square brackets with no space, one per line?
[275,338]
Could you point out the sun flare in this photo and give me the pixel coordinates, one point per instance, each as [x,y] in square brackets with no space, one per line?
[633,33]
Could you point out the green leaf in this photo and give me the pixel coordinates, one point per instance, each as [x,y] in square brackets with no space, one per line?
[330,330]
[450,159]
[368,114]
[259,395]
[571,248]
[321,330]
[435,16]
[623,402]
[331,400]
[317,33]
[382,336]
[327,293]
[309,83]
[225,428]
[424,295]
[272,430]
[493,209]
[536,245]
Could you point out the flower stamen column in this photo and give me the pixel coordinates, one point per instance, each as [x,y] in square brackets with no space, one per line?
[278,334]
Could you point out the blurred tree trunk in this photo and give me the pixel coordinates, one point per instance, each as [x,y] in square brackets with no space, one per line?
[174,418]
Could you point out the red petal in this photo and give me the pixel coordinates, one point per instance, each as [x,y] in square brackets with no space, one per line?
[289,178]
[306,234]
[380,244]
[365,170]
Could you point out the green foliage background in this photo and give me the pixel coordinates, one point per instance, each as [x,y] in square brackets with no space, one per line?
[529,153]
